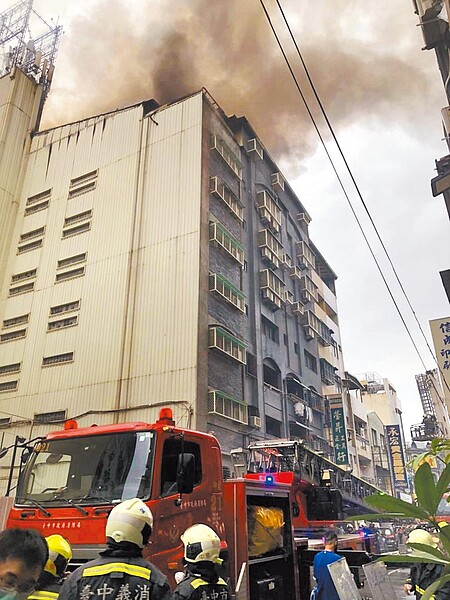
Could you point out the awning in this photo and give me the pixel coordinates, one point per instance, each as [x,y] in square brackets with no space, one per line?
[300,425]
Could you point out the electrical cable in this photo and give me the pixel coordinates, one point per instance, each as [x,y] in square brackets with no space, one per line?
[358,191]
[340,182]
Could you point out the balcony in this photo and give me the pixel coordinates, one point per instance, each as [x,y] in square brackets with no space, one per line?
[363,448]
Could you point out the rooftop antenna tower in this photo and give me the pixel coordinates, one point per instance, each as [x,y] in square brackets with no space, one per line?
[34,55]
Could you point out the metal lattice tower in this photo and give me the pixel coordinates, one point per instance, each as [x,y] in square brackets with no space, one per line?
[35,56]
[426,398]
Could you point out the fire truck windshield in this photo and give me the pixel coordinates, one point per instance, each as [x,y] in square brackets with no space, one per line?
[88,470]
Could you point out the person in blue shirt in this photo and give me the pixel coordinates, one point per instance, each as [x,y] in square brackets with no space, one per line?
[325,586]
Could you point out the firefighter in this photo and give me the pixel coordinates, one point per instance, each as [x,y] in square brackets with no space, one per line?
[201,557]
[120,573]
[54,573]
[23,555]
[422,575]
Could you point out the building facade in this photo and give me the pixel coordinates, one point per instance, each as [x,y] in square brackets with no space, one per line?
[156,256]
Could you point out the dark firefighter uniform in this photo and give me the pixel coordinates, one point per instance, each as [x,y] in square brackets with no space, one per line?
[198,587]
[422,575]
[47,592]
[116,578]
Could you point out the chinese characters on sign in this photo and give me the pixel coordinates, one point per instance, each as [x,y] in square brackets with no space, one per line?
[339,434]
[440,330]
[397,457]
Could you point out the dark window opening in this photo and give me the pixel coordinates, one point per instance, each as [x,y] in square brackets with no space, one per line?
[310,361]
[273,427]
[171,452]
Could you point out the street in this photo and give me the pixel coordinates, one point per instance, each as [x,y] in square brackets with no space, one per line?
[397,577]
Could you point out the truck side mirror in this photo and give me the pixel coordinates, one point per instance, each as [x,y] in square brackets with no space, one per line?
[185,473]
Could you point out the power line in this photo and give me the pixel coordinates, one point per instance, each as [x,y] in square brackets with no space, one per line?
[340,181]
[358,191]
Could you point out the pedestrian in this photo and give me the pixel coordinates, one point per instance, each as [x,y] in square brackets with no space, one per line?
[23,554]
[325,586]
[121,572]
[54,573]
[201,557]
[421,575]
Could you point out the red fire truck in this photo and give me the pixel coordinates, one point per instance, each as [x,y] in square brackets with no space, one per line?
[72,478]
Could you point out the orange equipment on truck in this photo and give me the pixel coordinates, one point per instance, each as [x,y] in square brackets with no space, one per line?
[72,479]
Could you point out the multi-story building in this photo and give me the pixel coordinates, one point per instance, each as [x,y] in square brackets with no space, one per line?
[156,256]
[434,24]
[379,395]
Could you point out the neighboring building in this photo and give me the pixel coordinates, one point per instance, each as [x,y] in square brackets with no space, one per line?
[379,395]
[434,24]
[156,256]
[435,421]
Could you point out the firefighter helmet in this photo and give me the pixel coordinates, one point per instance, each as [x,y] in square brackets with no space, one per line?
[200,543]
[420,536]
[130,521]
[59,555]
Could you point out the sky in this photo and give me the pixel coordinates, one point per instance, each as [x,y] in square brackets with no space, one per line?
[382,94]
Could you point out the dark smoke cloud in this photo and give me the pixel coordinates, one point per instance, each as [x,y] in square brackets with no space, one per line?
[226,46]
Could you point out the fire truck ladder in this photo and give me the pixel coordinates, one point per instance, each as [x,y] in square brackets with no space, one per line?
[309,466]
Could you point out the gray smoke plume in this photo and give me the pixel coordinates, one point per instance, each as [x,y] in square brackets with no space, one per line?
[365,62]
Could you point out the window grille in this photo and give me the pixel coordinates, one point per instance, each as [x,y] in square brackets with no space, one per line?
[222,191]
[20,320]
[21,289]
[227,406]
[229,157]
[23,276]
[57,359]
[11,368]
[50,417]
[71,260]
[62,323]
[222,286]
[220,235]
[29,235]
[69,274]
[13,335]
[63,308]
[30,246]
[9,386]
[227,343]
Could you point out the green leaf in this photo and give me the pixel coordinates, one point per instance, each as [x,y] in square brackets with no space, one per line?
[374,516]
[443,482]
[395,505]
[435,445]
[426,489]
[418,460]
[430,550]
[411,558]
[444,536]
[435,586]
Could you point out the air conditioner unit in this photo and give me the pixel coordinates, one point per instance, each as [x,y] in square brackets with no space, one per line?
[303,219]
[255,422]
[287,260]
[254,145]
[277,182]
[297,308]
[310,334]
[288,297]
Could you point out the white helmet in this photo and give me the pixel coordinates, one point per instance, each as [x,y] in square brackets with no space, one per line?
[201,543]
[421,536]
[130,521]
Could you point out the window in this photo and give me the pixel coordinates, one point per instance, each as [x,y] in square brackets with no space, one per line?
[272,288]
[270,248]
[269,211]
[285,339]
[82,216]
[171,451]
[223,286]
[310,361]
[227,406]
[68,232]
[295,347]
[269,329]
[222,191]
[83,184]
[251,366]
[71,260]
[306,256]
[327,372]
[50,417]
[29,246]
[21,289]
[273,427]
[32,234]
[220,235]
[5,422]
[308,289]
[23,276]
[229,157]
[37,202]
[16,321]
[9,386]
[12,368]
[374,436]
[13,335]
[227,343]
[49,361]
[69,274]
[63,308]
[62,323]
[271,374]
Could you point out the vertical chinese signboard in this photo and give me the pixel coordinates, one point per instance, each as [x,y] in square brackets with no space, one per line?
[440,330]
[396,455]
[339,433]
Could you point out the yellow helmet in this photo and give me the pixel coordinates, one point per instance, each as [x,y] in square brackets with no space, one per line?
[130,521]
[201,543]
[59,555]
[420,536]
